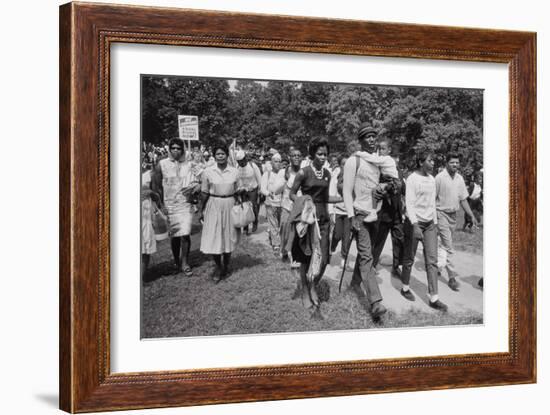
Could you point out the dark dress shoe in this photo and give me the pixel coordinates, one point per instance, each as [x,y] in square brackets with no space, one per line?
[378,310]
[408,294]
[438,305]
[218,276]
[453,284]
[226,272]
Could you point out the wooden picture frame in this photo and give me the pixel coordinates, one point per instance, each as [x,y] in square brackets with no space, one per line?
[86,33]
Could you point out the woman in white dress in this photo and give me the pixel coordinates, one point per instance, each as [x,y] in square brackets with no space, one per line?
[218,193]
[148,198]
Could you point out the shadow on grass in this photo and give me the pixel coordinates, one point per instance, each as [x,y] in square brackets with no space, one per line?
[159,270]
[243,261]
[166,266]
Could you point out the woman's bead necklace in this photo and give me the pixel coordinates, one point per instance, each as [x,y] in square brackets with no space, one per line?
[318,173]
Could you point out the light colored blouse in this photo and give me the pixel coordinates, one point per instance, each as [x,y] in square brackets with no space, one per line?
[249,176]
[272,186]
[218,182]
[420,198]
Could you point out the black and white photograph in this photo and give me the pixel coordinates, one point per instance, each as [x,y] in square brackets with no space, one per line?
[288,206]
[218,119]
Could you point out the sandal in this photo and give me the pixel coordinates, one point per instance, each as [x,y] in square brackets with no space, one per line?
[187,271]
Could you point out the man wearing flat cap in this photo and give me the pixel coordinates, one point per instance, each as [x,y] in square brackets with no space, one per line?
[362,173]
[249,181]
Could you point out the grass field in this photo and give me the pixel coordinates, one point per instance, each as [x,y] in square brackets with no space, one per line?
[257,298]
[467,241]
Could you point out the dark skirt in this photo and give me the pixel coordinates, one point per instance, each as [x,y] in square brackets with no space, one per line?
[300,256]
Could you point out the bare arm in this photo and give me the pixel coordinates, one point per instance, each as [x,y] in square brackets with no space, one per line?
[156,184]
[296,185]
[466,206]
[202,203]
[204,193]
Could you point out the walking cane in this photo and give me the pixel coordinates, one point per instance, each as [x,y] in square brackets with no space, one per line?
[345,263]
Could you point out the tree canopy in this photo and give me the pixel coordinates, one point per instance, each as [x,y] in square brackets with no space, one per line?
[279,114]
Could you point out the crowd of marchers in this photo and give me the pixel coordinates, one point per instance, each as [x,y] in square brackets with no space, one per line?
[314,204]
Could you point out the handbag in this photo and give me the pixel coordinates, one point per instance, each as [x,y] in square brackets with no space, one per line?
[242,214]
[160,224]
